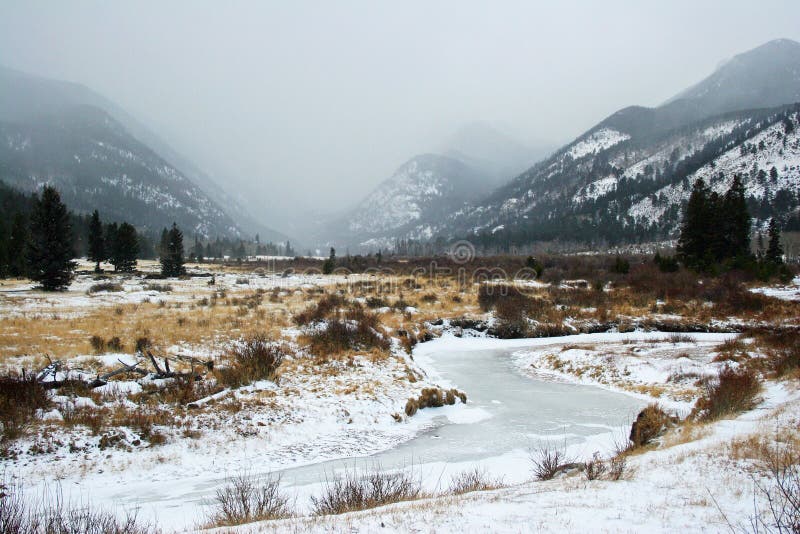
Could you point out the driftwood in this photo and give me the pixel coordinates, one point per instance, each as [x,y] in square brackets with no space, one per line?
[102,380]
[54,367]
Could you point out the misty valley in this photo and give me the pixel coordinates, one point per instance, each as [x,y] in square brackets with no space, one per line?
[475,329]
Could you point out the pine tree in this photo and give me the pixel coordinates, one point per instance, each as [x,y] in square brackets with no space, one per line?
[49,250]
[774,248]
[694,237]
[4,237]
[735,222]
[17,242]
[330,264]
[97,245]
[171,251]
[125,248]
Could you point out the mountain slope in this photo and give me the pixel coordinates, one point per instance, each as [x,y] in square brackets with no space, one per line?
[604,186]
[96,164]
[30,99]
[766,76]
[423,190]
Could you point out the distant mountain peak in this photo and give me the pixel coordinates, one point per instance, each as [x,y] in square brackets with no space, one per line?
[765,76]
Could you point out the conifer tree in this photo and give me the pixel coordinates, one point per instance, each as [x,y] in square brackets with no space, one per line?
[17,242]
[171,251]
[49,249]
[774,248]
[3,249]
[694,237]
[330,263]
[97,245]
[125,248]
[735,222]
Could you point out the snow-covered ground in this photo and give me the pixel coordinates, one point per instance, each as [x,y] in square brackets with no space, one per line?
[788,292]
[689,484]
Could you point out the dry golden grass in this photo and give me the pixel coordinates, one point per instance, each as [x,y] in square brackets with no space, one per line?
[188,323]
[686,432]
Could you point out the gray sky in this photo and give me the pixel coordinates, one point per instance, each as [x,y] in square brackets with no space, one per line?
[302,106]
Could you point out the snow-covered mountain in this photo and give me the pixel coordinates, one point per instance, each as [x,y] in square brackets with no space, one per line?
[625,180]
[117,164]
[96,164]
[424,189]
[766,76]
[427,188]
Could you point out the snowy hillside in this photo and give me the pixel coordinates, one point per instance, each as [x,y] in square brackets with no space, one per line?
[96,164]
[753,161]
[626,179]
[425,188]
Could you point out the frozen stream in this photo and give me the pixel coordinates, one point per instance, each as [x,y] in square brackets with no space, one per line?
[507,416]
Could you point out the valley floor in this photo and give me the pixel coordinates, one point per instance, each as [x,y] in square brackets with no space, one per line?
[163,458]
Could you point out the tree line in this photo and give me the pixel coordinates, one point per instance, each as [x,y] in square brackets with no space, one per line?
[40,243]
[716,233]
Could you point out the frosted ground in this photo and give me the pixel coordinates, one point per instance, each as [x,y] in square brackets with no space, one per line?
[312,419]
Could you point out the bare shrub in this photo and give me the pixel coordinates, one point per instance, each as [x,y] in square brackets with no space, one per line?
[245,499]
[376,302]
[361,491]
[143,344]
[595,468]
[52,514]
[733,391]
[98,343]
[411,407]
[475,479]
[20,397]
[651,423]
[326,306]
[115,344]
[782,349]
[161,288]
[431,398]
[680,338]
[105,286]
[357,330]
[781,491]
[616,467]
[257,357]
[548,460]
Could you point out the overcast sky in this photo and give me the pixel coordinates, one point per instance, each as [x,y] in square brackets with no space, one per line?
[302,106]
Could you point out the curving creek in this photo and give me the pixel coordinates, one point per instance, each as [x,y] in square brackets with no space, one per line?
[508,415]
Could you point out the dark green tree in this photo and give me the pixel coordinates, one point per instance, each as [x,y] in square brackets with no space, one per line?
[734,223]
[110,236]
[3,248]
[774,248]
[49,249]
[97,244]
[172,252]
[125,248]
[695,228]
[17,243]
[330,264]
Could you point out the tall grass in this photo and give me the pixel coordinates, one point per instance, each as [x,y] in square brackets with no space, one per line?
[20,397]
[245,499]
[733,391]
[355,490]
[52,514]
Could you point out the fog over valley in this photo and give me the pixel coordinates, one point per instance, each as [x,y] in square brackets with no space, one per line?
[299,109]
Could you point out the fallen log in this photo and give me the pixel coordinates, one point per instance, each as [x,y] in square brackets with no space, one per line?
[102,380]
